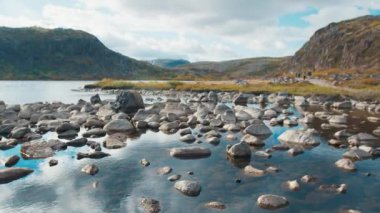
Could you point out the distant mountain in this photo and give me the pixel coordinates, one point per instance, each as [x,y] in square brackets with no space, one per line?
[169,63]
[351,44]
[38,53]
[240,68]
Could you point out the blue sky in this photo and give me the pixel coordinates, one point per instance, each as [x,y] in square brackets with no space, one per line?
[196,30]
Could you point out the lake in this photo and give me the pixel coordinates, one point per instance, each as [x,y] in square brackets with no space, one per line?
[122,181]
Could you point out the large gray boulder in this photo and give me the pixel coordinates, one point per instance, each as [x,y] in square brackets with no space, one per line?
[128,102]
[269,201]
[258,128]
[299,137]
[119,125]
[188,187]
[239,150]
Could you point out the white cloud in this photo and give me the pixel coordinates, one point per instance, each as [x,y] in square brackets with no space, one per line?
[195,30]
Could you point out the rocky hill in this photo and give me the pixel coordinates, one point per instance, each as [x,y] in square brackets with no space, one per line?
[351,44]
[38,53]
[169,63]
[240,68]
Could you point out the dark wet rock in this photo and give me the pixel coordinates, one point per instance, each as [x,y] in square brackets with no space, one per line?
[190,152]
[112,142]
[240,99]
[281,147]
[90,169]
[96,132]
[79,142]
[92,155]
[252,171]
[174,177]
[144,162]
[188,138]
[9,144]
[212,97]
[53,162]
[95,99]
[6,129]
[269,201]
[57,145]
[334,188]
[119,125]
[94,123]
[164,170]
[299,137]
[69,134]
[188,187]
[215,205]
[252,140]
[11,174]
[128,102]
[239,150]
[150,205]
[11,161]
[258,128]
[66,127]
[346,164]
[19,132]
[185,131]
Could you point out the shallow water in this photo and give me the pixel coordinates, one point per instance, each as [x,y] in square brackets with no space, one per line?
[123,181]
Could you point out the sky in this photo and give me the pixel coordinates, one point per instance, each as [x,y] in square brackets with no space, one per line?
[195,30]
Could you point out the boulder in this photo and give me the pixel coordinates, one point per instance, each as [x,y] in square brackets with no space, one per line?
[11,174]
[94,133]
[164,170]
[239,150]
[79,142]
[228,117]
[189,138]
[292,185]
[258,128]
[119,125]
[95,99]
[11,161]
[240,99]
[92,155]
[252,171]
[90,169]
[128,102]
[215,205]
[334,188]
[363,139]
[150,205]
[252,140]
[113,143]
[188,187]
[37,150]
[299,137]
[190,152]
[269,201]
[346,164]
[174,177]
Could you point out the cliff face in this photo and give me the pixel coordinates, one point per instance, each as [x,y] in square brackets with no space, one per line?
[37,53]
[351,44]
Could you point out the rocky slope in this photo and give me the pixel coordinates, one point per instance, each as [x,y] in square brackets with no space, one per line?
[351,44]
[169,63]
[38,53]
[240,68]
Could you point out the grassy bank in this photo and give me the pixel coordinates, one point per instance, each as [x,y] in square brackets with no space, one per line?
[301,88]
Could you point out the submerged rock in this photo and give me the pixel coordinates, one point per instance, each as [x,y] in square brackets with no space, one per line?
[215,205]
[188,187]
[269,201]
[144,162]
[164,170]
[190,152]
[174,177]
[150,205]
[11,174]
[93,155]
[252,140]
[239,150]
[252,171]
[90,169]
[334,188]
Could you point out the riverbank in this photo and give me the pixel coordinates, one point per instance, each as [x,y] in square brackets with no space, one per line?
[252,86]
